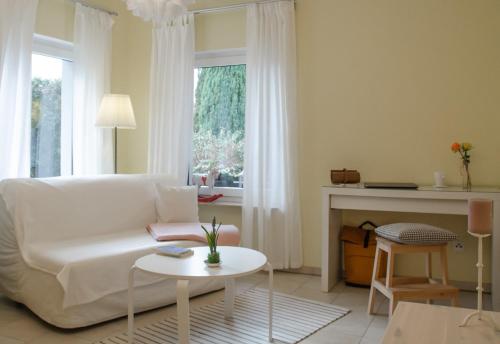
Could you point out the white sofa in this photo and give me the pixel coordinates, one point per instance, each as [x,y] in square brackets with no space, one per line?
[66,245]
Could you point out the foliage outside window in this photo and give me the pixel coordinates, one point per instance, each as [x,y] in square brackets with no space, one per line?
[219,123]
[46,116]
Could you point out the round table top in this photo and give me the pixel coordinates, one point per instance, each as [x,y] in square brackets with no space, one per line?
[235,261]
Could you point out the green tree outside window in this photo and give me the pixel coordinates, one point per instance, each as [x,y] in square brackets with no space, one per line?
[219,122]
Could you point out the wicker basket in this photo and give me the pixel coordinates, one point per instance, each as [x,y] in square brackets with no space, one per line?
[345,176]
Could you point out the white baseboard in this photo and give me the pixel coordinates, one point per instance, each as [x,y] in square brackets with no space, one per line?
[305,270]
[462,285]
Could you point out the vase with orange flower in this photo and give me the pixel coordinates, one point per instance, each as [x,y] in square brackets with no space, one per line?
[464,150]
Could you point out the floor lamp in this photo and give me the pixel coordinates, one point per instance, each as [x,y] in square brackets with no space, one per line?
[116,112]
[481,226]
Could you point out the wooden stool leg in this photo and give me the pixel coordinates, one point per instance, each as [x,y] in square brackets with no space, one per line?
[389,280]
[428,265]
[393,302]
[390,269]
[382,271]
[375,273]
[444,264]
[454,301]
[428,270]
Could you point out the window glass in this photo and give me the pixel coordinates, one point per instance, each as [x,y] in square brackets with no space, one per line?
[219,124]
[48,78]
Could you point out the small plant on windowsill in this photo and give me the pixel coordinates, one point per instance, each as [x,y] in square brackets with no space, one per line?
[213,258]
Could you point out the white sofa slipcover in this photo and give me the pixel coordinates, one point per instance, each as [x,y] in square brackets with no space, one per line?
[67,243]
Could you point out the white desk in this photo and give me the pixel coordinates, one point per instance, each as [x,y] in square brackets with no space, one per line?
[424,200]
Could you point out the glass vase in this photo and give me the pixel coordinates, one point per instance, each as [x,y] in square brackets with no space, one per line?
[466,179]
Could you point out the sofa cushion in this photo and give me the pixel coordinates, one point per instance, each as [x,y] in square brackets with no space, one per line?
[229,235]
[177,204]
[415,233]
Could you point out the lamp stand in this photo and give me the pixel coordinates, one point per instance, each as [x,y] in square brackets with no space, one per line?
[116,149]
[479,312]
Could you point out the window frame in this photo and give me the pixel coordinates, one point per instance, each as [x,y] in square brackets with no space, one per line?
[220,58]
[63,50]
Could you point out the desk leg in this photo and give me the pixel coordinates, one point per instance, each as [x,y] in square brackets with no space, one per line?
[183,311]
[270,268]
[229,298]
[131,305]
[495,258]
[330,251]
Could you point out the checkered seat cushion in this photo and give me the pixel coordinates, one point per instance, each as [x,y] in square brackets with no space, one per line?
[415,233]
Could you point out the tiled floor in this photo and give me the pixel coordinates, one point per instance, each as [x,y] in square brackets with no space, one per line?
[18,325]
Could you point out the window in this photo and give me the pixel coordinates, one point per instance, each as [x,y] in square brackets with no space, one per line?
[219,120]
[51,108]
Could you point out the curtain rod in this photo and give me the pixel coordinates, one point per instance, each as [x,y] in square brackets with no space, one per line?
[200,11]
[84,3]
[232,7]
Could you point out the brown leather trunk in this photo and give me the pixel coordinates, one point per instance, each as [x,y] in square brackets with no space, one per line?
[359,255]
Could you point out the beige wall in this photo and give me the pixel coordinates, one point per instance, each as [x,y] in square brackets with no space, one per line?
[55,18]
[384,86]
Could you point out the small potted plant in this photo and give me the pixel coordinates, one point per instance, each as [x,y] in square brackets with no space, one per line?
[213,258]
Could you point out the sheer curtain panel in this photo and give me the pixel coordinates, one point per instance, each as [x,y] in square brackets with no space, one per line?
[271,211]
[92,146]
[171,99]
[157,11]
[17,22]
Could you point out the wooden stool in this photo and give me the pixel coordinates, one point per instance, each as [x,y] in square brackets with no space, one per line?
[409,288]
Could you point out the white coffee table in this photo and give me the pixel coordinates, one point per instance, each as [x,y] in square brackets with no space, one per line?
[236,262]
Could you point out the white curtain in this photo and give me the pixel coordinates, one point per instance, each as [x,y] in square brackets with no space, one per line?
[271,210]
[17,22]
[92,146]
[158,10]
[171,97]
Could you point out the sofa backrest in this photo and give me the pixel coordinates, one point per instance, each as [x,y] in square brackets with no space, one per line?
[70,207]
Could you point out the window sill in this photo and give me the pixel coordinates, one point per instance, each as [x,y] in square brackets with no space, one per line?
[226,201]
[232,193]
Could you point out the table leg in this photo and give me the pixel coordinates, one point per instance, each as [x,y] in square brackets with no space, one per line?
[270,269]
[131,305]
[326,273]
[229,298]
[330,250]
[183,311]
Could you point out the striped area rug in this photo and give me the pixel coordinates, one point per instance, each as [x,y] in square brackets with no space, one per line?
[294,319]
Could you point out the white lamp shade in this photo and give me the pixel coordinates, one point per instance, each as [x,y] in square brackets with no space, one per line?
[116,112]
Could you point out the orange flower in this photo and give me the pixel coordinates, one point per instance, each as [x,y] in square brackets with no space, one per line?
[455,147]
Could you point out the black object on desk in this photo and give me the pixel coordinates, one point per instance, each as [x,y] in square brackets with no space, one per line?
[402,186]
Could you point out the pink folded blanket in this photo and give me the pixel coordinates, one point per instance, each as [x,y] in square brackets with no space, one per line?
[229,235]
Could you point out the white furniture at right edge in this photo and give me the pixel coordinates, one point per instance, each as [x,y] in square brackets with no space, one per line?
[427,200]
[415,323]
